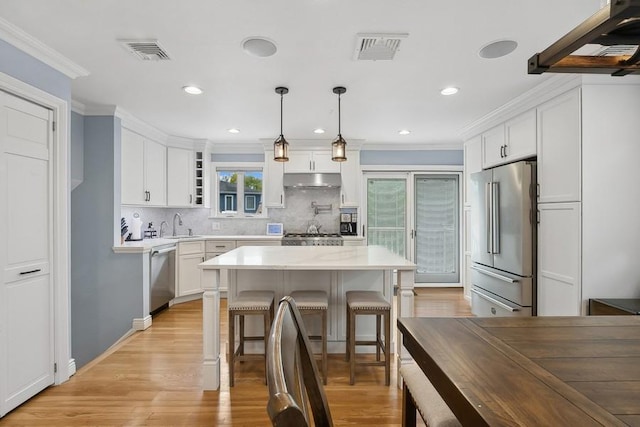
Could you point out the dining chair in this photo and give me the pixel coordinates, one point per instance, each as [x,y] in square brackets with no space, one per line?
[296,393]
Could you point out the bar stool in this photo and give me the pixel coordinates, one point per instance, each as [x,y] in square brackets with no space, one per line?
[315,303]
[371,303]
[245,304]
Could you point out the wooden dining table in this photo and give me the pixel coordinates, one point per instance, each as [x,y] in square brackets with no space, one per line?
[532,371]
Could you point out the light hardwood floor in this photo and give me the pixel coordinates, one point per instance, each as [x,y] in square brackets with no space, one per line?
[153,378]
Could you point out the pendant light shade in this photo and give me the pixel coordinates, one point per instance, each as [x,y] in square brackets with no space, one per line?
[280,145]
[339,146]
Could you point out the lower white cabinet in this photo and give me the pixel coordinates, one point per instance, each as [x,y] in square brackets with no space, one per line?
[189,255]
[559,259]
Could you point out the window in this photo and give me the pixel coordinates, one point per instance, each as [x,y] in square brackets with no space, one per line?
[239,191]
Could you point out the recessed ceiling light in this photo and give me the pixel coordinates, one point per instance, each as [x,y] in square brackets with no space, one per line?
[318,130]
[234,130]
[404,132]
[192,90]
[497,49]
[259,46]
[449,90]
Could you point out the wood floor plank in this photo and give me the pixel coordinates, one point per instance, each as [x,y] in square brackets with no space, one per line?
[154,378]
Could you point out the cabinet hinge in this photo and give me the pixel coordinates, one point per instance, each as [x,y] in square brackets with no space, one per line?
[538,217]
[53,126]
[55,368]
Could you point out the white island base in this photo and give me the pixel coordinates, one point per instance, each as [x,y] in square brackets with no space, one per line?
[282,269]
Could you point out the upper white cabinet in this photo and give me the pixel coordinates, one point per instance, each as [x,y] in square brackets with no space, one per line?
[510,141]
[493,146]
[350,174]
[273,182]
[311,161]
[180,177]
[143,171]
[559,153]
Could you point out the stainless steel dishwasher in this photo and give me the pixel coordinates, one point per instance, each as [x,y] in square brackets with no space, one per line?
[162,278]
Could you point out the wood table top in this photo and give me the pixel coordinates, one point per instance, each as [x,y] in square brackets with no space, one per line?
[533,371]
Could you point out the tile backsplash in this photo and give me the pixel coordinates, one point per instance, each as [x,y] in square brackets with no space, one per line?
[296,216]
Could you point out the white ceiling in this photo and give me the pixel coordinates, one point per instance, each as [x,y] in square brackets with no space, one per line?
[316,40]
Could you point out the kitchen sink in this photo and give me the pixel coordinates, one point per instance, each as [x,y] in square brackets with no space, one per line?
[183,236]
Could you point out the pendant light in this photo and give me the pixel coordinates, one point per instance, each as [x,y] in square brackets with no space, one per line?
[281,146]
[339,146]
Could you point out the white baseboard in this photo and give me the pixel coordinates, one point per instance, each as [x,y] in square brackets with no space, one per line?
[141,324]
[185,298]
[72,367]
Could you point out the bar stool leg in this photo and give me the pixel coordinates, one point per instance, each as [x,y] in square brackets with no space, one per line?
[325,364]
[267,328]
[387,347]
[378,338]
[346,353]
[232,345]
[352,345]
[241,343]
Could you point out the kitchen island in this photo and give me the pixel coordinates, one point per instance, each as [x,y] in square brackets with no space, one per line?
[282,269]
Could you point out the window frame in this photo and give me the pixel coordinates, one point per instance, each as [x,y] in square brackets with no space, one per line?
[241,168]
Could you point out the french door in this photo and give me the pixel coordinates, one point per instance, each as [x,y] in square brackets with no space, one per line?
[417,216]
[437,228]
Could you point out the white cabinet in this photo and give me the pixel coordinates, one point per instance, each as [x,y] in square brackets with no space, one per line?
[189,255]
[273,182]
[311,161]
[511,141]
[559,149]
[493,146]
[559,255]
[180,177]
[350,174]
[143,164]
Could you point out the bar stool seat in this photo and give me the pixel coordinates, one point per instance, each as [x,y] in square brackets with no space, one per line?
[248,303]
[315,303]
[369,303]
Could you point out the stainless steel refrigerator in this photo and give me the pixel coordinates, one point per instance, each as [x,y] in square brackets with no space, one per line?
[503,240]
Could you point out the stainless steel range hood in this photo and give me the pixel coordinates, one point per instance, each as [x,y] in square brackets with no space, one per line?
[615,28]
[306,180]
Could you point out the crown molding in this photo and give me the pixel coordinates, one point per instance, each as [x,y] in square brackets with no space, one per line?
[78,107]
[34,47]
[550,88]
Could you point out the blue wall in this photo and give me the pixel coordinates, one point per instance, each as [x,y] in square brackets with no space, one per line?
[26,68]
[411,157]
[106,288]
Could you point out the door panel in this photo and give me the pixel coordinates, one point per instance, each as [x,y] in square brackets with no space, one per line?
[26,288]
[387,213]
[437,236]
[480,218]
[514,243]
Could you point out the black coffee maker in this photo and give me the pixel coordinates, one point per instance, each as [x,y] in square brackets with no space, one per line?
[349,224]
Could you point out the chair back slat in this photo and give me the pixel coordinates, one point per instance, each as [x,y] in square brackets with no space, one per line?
[295,387]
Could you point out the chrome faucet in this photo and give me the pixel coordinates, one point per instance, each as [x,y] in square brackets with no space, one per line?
[163,223]
[177,215]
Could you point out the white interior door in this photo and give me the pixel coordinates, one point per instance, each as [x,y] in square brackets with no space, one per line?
[26,292]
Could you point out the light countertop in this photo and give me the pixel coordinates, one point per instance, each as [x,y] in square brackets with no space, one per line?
[142,246]
[309,258]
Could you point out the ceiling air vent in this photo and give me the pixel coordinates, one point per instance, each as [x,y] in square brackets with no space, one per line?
[147,50]
[377,47]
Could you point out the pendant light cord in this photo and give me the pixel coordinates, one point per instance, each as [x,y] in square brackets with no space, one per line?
[281,98]
[339,115]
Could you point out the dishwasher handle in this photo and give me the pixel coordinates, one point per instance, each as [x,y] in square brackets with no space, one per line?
[163,251]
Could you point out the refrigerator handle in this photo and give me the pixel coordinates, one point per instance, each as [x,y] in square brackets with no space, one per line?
[495,209]
[488,217]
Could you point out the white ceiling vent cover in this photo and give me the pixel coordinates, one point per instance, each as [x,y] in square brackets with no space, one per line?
[147,50]
[378,47]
